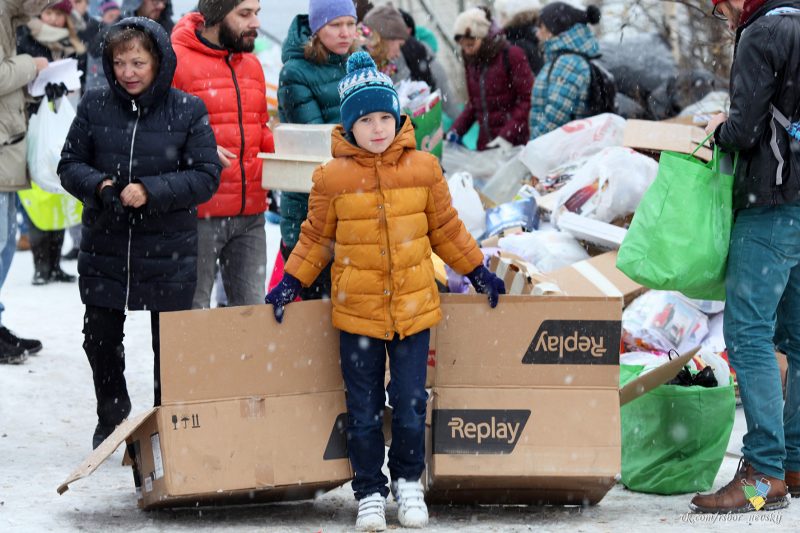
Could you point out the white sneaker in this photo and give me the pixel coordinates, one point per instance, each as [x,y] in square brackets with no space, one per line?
[371,513]
[411,508]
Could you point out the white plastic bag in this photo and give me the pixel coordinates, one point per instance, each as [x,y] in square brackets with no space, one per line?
[610,185]
[482,165]
[547,250]
[576,139]
[467,202]
[47,131]
[508,179]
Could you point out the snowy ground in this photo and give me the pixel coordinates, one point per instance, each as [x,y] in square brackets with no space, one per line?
[47,419]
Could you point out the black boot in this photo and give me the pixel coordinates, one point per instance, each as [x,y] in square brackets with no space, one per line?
[56,243]
[40,249]
[29,346]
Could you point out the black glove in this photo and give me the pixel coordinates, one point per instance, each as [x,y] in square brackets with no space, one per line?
[485,282]
[111,202]
[282,294]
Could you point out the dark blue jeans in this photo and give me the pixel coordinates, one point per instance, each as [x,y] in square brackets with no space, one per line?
[762,311]
[363,367]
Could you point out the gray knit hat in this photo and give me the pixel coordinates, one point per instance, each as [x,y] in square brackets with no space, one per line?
[214,11]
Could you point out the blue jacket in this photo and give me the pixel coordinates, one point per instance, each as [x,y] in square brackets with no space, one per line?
[307,94]
[562,95]
[145,258]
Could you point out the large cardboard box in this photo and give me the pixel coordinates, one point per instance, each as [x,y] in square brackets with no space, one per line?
[526,402]
[252,411]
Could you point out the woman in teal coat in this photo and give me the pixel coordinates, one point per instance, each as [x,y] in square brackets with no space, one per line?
[314,61]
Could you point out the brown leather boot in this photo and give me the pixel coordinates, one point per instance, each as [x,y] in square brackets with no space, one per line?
[742,494]
[793,483]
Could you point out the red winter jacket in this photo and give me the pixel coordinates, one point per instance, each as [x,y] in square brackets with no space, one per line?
[233,88]
[499,83]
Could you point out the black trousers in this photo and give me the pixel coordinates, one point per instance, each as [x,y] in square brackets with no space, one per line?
[103,333]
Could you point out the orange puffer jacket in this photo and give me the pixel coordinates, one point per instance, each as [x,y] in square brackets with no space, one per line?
[233,88]
[380,216]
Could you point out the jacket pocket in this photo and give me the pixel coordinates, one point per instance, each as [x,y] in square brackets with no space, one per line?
[340,288]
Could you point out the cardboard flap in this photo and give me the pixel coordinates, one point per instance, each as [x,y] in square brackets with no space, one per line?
[104,451]
[658,136]
[649,381]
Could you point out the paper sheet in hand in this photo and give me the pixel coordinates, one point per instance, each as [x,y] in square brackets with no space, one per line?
[63,70]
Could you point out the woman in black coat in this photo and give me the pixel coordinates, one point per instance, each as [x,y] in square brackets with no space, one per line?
[141,156]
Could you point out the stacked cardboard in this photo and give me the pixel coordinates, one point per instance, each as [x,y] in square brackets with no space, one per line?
[252,411]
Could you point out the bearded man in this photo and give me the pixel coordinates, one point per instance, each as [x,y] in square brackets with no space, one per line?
[215,63]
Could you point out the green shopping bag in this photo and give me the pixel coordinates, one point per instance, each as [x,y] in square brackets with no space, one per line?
[427,122]
[679,237]
[674,438]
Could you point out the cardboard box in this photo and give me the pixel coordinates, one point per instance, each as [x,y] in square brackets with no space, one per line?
[597,276]
[299,150]
[533,416]
[252,411]
[652,136]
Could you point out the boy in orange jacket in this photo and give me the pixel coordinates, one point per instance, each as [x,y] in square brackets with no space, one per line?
[379,209]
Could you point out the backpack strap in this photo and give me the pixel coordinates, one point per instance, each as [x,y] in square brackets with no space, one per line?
[560,53]
[781,119]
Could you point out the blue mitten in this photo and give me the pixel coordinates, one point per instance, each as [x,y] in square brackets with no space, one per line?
[485,282]
[285,292]
[452,137]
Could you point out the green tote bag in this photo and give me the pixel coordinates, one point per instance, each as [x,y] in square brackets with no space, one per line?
[679,237]
[674,438]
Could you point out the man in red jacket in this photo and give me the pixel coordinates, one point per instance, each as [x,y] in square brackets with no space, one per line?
[214,63]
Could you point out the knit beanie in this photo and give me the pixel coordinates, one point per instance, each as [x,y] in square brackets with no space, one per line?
[387,21]
[558,17]
[321,12]
[474,22]
[108,6]
[364,90]
[65,6]
[214,11]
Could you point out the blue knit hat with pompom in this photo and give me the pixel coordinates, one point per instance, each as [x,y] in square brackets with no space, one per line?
[364,90]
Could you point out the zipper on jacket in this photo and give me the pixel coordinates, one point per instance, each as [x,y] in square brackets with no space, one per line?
[385,220]
[485,110]
[130,228]
[241,129]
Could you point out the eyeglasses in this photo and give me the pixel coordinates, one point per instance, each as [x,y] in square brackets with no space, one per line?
[717,14]
[465,39]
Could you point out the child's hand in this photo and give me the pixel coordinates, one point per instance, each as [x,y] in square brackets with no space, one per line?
[485,282]
[283,294]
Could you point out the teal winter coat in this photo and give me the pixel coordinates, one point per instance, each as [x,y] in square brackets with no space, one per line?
[307,94]
[561,89]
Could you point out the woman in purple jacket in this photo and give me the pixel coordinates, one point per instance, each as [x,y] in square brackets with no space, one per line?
[499,83]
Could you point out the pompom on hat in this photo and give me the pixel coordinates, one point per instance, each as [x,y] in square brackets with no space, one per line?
[364,90]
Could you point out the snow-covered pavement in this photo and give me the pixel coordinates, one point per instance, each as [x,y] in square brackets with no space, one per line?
[47,419]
